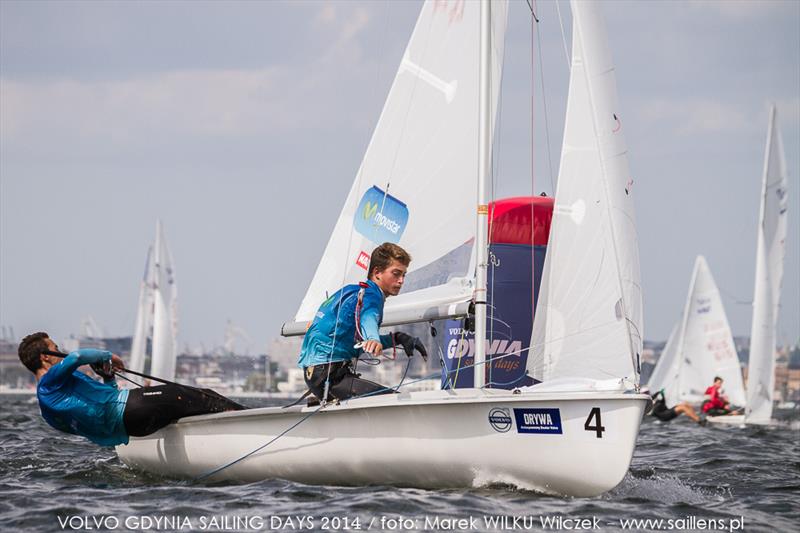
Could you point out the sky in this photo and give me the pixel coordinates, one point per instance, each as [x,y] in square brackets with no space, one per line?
[241,125]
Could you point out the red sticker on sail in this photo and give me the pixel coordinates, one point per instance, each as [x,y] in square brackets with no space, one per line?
[363,260]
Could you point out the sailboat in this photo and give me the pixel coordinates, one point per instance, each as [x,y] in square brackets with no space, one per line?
[770,252]
[700,347]
[154,345]
[423,183]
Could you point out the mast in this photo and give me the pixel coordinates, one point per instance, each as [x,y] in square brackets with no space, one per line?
[484,162]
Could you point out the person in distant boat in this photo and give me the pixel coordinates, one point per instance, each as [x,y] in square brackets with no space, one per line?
[716,403]
[73,402]
[346,326]
[665,414]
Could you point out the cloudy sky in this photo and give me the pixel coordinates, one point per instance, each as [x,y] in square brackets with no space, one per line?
[241,126]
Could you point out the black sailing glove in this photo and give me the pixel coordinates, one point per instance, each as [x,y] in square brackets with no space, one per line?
[103,369]
[410,344]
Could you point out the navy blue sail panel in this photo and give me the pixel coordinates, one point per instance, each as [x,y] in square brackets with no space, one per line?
[510,318]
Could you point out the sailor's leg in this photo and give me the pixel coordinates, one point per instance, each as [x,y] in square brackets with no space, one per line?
[686,409]
[316,376]
[149,409]
[350,385]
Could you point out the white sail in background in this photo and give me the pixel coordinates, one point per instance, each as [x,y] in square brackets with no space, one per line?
[665,374]
[157,315]
[589,318]
[416,183]
[144,318]
[770,253]
[165,310]
[703,346]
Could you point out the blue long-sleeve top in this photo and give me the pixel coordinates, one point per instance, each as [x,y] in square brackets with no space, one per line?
[326,342]
[72,402]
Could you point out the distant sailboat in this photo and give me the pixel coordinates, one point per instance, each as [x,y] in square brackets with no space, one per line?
[154,346]
[700,347]
[770,252]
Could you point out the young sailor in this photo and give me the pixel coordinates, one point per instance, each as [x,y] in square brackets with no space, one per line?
[665,414]
[72,402]
[716,403]
[346,325]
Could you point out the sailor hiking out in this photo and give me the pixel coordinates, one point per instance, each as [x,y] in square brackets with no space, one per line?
[73,402]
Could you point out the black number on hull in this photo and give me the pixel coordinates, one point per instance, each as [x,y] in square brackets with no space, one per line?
[598,426]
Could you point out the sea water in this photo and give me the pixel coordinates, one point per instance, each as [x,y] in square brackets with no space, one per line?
[683,478]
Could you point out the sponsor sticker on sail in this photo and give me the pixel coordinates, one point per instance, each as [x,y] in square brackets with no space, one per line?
[380,217]
[363,260]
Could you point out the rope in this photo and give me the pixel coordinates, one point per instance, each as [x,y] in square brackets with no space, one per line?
[563,35]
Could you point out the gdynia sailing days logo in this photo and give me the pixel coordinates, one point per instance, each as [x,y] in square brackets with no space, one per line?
[380,217]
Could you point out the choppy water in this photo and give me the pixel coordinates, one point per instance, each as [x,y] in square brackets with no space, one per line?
[52,482]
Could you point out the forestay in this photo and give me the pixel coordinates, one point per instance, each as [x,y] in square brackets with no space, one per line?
[770,252]
[417,183]
[589,317]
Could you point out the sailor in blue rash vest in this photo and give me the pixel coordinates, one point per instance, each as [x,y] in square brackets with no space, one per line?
[73,402]
[352,316]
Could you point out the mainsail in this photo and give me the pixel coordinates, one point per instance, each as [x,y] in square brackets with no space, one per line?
[416,184]
[589,315]
[702,347]
[157,315]
[770,252]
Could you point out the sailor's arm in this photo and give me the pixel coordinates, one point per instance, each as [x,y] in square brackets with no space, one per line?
[370,326]
[84,356]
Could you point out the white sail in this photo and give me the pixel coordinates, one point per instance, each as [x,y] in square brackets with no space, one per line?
[144,317]
[165,310]
[706,347]
[416,183]
[666,373]
[589,318]
[770,252]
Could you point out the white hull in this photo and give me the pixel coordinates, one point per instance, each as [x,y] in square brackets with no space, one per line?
[740,421]
[435,439]
[729,420]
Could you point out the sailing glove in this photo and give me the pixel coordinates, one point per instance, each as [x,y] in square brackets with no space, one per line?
[410,344]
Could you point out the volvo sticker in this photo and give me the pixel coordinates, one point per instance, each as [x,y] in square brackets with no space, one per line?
[500,419]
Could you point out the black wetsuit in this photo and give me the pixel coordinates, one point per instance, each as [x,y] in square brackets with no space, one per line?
[660,409]
[151,408]
[344,382]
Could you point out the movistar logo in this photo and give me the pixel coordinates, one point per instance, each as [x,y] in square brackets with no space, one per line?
[370,212]
[380,217]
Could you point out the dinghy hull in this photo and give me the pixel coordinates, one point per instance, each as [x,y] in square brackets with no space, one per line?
[577,444]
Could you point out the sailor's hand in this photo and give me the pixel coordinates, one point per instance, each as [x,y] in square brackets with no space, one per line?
[373,347]
[116,362]
[410,344]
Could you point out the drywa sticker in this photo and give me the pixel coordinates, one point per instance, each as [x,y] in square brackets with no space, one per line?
[538,421]
[380,217]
